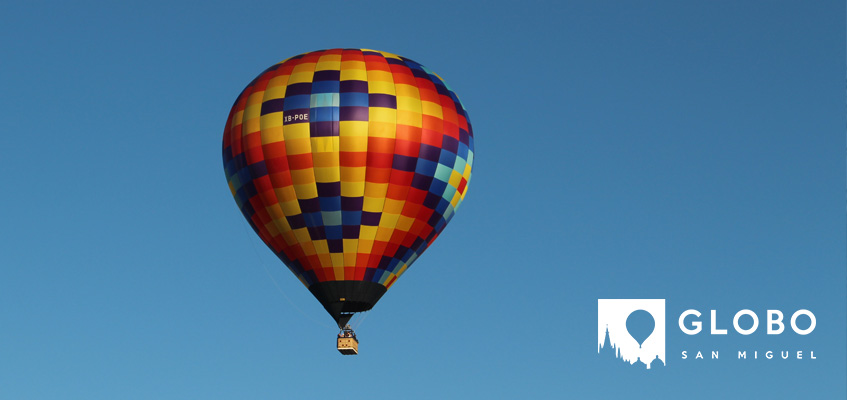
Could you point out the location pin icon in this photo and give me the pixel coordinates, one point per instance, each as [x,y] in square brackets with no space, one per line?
[640,325]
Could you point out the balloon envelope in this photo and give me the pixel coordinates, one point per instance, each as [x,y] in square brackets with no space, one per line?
[640,325]
[348,163]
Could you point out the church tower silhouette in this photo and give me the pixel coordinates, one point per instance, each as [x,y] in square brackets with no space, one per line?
[608,350]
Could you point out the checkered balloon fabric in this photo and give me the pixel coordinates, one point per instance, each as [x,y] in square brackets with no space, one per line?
[348,163]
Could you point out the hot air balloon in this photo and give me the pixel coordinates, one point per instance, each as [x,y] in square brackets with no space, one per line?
[348,164]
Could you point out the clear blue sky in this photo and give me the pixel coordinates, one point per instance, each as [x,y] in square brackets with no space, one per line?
[691,151]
